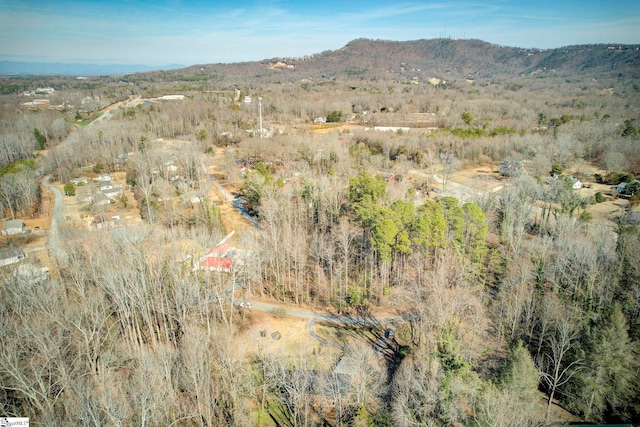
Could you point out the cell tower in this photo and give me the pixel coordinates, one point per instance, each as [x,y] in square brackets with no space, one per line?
[260,114]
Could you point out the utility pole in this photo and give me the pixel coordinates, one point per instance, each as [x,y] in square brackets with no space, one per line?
[260,114]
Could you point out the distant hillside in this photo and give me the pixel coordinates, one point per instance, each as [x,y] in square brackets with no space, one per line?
[71,69]
[475,58]
[444,58]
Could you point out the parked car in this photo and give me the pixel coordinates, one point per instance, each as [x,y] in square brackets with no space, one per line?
[242,303]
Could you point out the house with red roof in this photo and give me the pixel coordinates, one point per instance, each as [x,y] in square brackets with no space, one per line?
[220,257]
[213,263]
[220,250]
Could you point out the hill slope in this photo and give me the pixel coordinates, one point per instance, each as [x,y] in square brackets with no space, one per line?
[445,58]
[461,58]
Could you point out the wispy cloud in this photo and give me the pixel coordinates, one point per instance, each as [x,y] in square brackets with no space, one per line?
[201,31]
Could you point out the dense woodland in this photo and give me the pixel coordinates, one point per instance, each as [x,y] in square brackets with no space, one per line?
[510,300]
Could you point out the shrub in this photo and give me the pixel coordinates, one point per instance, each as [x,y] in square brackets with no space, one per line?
[632,188]
[586,216]
[335,116]
[614,178]
[467,118]
[279,312]
[69,189]
[41,139]
[557,169]
[503,130]
[468,132]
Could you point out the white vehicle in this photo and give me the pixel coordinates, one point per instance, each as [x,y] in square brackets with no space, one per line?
[242,303]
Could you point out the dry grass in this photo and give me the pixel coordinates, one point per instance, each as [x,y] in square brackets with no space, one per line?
[293,342]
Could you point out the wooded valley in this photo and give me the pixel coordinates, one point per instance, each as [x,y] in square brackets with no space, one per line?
[435,213]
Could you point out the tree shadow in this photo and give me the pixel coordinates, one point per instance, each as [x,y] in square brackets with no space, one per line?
[279,414]
[379,333]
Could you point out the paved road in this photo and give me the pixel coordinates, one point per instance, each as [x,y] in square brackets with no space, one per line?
[107,111]
[58,205]
[237,202]
[35,249]
[57,217]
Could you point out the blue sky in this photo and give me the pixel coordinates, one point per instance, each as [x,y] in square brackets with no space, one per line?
[184,32]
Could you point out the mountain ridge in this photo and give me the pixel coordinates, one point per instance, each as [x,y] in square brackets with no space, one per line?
[447,58]
[469,57]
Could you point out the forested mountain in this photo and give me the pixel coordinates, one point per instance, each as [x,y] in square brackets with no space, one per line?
[449,59]
[475,58]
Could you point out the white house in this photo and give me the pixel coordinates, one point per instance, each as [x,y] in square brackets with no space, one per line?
[111,193]
[105,220]
[15,226]
[45,90]
[101,200]
[172,98]
[576,183]
[81,180]
[11,256]
[104,185]
[103,177]
[391,128]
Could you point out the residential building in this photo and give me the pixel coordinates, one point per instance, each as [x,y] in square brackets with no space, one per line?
[576,184]
[105,220]
[45,90]
[11,256]
[104,185]
[80,181]
[511,168]
[29,274]
[101,200]
[114,191]
[213,263]
[222,257]
[12,227]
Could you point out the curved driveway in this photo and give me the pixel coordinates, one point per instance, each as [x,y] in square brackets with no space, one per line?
[313,318]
